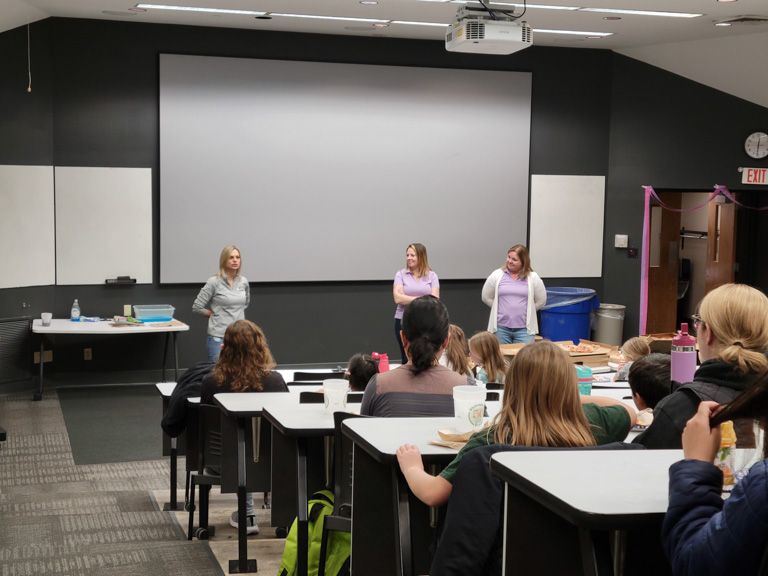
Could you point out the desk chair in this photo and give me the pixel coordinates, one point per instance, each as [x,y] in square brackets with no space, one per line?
[208,469]
[319,398]
[491,396]
[472,538]
[316,376]
[340,520]
[494,386]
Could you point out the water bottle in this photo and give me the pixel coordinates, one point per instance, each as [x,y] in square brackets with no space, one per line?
[683,355]
[383,361]
[75,314]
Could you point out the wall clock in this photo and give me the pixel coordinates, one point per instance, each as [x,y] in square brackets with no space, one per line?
[756,145]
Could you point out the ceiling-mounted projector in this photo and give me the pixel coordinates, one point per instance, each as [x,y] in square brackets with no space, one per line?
[487,31]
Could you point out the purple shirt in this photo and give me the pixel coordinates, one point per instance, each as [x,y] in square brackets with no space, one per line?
[413,287]
[513,301]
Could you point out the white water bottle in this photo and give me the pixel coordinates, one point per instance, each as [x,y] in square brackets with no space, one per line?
[75,314]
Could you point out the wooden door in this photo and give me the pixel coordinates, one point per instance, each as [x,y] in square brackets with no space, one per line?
[721,244]
[662,266]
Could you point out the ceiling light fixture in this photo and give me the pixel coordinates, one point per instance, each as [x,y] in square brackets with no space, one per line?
[572,32]
[722,23]
[198,9]
[368,2]
[419,23]
[641,12]
[342,18]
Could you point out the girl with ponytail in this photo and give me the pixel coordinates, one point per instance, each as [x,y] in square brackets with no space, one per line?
[732,334]
[421,387]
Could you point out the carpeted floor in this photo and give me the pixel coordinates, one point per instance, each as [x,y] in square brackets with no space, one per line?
[61,518]
[112,423]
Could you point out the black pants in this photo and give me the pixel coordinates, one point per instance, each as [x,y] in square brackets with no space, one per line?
[398,327]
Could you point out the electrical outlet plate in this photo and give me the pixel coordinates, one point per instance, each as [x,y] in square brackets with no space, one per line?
[87,354]
[621,241]
[47,356]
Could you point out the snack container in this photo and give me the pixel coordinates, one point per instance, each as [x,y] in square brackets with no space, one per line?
[153,312]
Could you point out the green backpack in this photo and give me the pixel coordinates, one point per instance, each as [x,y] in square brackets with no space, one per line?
[339,543]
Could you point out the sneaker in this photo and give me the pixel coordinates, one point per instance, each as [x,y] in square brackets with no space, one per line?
[250,523]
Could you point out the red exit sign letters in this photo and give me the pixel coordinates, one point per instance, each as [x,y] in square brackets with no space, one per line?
[754,176]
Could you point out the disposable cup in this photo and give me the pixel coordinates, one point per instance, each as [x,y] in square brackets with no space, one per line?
[335,392]
[469,407]
[46,318]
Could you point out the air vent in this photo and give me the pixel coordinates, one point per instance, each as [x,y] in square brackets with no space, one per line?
[475,30]
[749,19]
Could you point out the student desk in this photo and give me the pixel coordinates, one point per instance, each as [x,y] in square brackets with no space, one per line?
[561,505]
[299,433]
[392,531]
[238,408]
[171,446]
[69,328]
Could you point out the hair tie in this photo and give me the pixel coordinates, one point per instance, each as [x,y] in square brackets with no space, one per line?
[739,344]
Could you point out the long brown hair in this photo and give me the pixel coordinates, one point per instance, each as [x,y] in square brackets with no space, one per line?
[245,358]
[456,353]
[421,257]
[541,401]
[486,346]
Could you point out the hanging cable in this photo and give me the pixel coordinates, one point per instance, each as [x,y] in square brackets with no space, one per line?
[29,60]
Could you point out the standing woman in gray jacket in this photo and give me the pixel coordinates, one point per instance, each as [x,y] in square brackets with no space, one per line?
[223,299]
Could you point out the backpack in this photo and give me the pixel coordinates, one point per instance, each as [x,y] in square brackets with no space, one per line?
[339,543]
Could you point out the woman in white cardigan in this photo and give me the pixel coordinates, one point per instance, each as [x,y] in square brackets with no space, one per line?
[514,292]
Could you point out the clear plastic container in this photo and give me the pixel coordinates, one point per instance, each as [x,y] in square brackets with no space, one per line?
[153,312]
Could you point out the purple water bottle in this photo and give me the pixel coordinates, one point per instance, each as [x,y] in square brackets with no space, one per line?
[683,355]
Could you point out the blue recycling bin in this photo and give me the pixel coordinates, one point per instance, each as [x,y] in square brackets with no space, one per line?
[568,314]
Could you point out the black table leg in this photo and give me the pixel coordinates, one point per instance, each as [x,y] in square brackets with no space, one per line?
[595,552]
[242,565]
[165,355]
[37,396]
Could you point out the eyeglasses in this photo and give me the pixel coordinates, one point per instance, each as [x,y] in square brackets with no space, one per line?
[696,321]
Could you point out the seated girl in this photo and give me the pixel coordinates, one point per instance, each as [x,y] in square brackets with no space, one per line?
[485,352]
[542,407]
[455,356]
[633,349]
[361,368]
[702,534]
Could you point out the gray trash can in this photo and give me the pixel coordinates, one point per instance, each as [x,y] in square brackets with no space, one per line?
[609,324]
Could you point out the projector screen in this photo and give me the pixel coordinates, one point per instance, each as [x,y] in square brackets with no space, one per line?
[326,172]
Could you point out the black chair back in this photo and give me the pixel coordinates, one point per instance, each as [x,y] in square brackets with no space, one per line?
[491,396]
[210,437]
[494,386]
[319,398]
[316,376]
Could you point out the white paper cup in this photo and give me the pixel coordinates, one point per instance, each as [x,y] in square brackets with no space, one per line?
[469,407]
[46,318]
[335,392]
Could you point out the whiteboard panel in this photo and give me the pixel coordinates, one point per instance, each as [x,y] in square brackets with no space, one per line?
[27,249]
[326,172]
[103,224]
[567,215]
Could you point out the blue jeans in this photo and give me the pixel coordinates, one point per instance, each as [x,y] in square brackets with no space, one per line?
[513,335]
[249,511]
[213,345]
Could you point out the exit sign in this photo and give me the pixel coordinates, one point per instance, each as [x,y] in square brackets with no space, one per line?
[754,175]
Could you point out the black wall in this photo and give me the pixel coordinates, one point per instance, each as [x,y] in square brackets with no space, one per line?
[95,103]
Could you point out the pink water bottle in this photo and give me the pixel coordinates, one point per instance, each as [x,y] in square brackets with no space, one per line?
[383,361]
[683,355]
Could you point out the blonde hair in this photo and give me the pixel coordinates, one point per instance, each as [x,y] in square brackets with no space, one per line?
[421,257]
[456,353]
[541,401]
[525,260]
[486,346]
[635,348]
[224,258]
[737,315]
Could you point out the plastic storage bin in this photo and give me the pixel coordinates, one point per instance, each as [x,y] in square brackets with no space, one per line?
[153,312]
[567,314]
[609,324]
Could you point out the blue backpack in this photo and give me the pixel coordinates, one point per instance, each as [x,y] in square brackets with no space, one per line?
[339,543]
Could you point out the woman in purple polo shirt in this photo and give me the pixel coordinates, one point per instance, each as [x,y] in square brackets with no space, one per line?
[416,279]
[514,292]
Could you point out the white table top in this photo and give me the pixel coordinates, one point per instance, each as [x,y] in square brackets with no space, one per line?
[66,326]
[381,437]
[302,418]
[604,483]
[251,404]
[165,388]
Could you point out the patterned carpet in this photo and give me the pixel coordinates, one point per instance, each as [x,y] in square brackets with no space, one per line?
[59,518]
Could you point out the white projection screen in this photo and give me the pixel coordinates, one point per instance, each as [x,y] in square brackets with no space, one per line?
[326,172]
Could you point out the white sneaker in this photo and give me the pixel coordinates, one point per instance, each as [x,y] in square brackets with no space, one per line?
[250,523]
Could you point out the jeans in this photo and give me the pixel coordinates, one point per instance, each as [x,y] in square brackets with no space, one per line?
[398,327]
[513,335]
[249,504]
[213,345]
